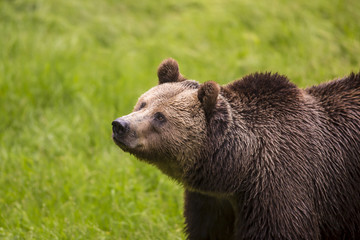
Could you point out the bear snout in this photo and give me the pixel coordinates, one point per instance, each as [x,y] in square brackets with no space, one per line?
[120,128]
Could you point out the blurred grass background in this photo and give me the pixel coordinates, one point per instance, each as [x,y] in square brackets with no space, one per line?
[68,68]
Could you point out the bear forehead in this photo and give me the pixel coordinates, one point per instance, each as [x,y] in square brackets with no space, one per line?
[168,92]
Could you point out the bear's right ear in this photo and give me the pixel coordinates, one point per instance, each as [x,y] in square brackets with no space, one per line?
[168,71]
[207,94]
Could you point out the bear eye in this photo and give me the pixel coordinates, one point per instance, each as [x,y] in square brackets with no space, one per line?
[159,117]
[142,105]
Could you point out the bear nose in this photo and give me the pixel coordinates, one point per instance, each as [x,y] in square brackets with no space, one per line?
[120,126]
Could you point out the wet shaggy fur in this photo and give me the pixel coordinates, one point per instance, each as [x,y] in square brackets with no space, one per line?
[273,161]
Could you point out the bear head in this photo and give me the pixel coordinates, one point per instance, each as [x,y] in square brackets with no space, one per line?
[169,126]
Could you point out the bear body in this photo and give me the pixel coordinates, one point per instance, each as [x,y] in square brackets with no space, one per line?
[259,158]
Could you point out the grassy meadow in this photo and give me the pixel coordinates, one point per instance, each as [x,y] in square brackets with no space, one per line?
[68,68]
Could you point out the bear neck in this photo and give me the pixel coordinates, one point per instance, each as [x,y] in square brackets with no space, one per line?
[225,154]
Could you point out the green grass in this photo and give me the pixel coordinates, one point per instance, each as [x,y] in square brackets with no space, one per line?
[68,68]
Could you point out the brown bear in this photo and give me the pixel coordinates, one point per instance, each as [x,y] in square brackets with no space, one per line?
[259,158]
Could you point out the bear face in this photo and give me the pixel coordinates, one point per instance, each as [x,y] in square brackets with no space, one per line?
[167,127]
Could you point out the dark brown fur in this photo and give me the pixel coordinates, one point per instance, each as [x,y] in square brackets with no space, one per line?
[168,71]
[207,95]
[277,162]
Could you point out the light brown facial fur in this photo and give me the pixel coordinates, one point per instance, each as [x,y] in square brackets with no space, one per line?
[166,127]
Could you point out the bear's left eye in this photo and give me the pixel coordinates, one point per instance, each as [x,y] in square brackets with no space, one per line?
[142,105]
[159,117]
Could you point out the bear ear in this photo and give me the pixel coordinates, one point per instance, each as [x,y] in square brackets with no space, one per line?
[208,93]
[168,71]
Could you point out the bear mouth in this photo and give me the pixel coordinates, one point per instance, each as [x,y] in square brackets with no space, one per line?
[128,146]
[118,141]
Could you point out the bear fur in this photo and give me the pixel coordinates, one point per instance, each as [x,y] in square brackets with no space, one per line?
[259,158]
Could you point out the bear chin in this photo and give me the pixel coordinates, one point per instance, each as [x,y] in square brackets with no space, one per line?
[137,151]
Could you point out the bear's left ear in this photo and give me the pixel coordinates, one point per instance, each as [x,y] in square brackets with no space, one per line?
[208,93]
[168,71]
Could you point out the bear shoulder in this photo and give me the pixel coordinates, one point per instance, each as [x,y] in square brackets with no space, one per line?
[260,86]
